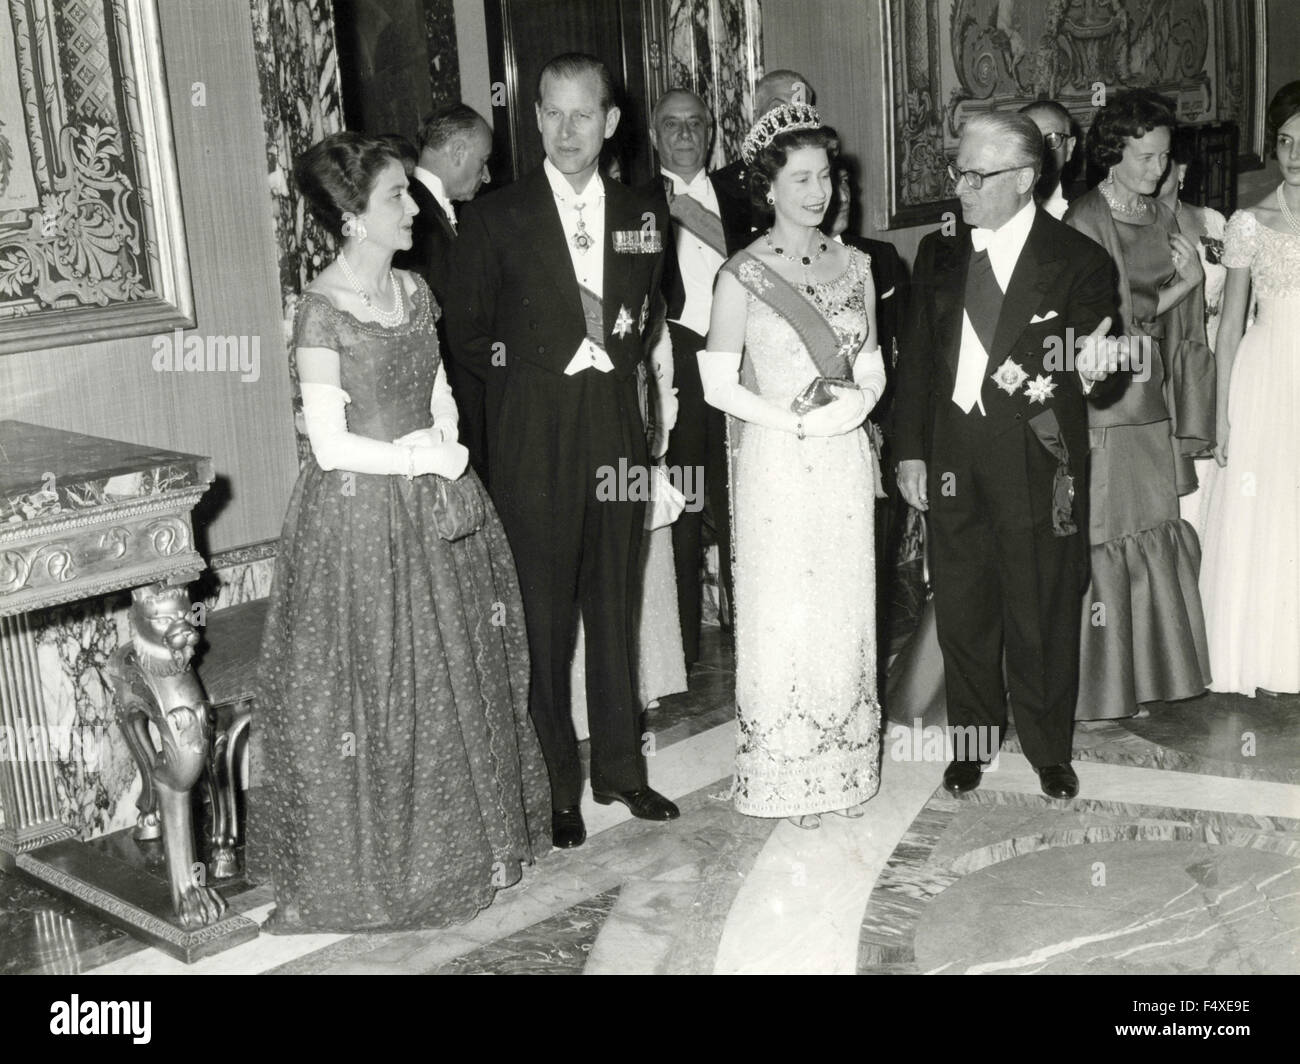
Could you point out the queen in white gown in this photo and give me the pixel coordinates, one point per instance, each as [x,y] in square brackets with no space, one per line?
[1250,574]
[793,307]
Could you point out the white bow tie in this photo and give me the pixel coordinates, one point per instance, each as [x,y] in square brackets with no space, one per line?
[981,238]
[697,189]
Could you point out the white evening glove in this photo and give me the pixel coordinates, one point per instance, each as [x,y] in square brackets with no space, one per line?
[336,448]
[446,418]
[869,376]
[720,377]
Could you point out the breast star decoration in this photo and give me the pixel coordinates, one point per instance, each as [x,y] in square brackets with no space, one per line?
[1040,389]
[1010,376]
[623,323]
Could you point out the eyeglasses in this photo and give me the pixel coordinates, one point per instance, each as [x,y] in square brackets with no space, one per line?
[974,178]
[1054,140]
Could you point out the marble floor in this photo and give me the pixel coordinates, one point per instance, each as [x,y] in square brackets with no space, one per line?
[1181,855]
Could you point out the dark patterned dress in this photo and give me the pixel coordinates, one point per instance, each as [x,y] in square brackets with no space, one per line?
[406,782]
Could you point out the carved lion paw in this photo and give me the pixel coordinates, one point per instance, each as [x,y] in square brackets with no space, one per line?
[200,906]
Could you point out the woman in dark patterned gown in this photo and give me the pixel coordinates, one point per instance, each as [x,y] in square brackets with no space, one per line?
[406,782]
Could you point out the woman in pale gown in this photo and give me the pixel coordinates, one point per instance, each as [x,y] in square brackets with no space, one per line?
[1204,227]
[793,307]
[1250,579]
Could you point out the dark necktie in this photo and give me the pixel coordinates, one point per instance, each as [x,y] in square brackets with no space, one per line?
[983,299]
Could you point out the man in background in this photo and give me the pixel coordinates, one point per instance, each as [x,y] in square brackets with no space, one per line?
[708,226]
[455,144]
[1053,122]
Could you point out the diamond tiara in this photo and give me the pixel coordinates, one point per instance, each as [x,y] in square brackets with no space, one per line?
[788,118]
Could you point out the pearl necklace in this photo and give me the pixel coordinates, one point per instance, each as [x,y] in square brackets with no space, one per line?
[1115,205]
[387,318]
[1287,214]
[799,260]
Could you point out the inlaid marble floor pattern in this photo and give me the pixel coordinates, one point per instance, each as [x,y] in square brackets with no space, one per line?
[1182,854]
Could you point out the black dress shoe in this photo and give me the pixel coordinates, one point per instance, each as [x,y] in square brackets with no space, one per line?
[1058,781]
[645,804]
[962,776]
[567,828]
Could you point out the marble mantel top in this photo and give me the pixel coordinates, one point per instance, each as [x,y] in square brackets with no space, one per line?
[46,472]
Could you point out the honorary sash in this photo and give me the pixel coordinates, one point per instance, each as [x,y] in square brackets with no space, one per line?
[692,215]
[824,347]
[594,313]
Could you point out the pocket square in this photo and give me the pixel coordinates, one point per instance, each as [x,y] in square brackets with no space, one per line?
[1037,319]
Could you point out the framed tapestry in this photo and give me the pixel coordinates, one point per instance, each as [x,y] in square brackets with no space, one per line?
[945,60]
[92,242]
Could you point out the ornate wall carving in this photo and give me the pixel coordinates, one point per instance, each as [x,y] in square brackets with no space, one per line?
[948,59]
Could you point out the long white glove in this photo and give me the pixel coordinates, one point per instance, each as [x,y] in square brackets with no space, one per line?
[323,408]
[869,375]
[720,376]
[661,373]
[442,408]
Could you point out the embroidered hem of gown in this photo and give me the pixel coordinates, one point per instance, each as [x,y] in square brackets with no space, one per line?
[842,783]
[1151,646]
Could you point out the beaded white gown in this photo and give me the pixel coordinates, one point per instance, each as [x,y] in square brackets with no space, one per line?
[1250,571]
[802,520]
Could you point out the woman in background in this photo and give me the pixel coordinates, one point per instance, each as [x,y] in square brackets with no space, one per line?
[1251,576]
[1143,630]
[406,781]
[790,313]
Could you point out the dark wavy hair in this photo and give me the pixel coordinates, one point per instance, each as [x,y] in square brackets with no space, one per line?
[338,174]
[1130,114]
[1283,107]
[772,159]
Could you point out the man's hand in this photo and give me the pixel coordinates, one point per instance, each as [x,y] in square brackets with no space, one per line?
[1098,355]
[911,482]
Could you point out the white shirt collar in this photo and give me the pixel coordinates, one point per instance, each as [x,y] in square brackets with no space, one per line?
[1056,204]
[593,193]
[1011,237]
[698,183]
[433,183]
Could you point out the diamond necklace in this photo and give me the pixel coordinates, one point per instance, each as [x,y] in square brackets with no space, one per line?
[1115,205]
[386,318]
[806,261]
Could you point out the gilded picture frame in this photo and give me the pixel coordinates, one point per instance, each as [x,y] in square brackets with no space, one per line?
[92,238]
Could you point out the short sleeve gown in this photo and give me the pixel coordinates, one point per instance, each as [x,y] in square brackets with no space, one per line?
[406,784]
[1251,575]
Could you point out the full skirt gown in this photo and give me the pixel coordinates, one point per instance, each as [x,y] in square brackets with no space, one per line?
[406,784]
[1250,579]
